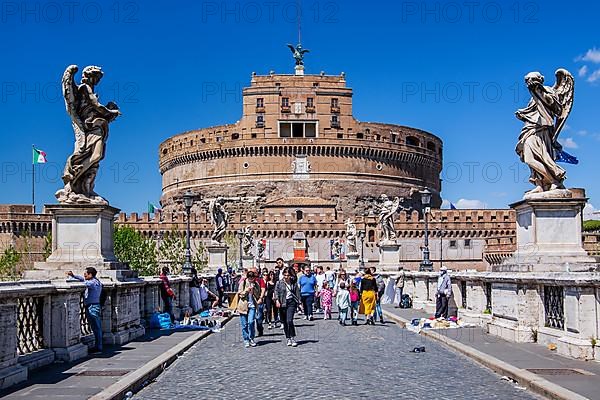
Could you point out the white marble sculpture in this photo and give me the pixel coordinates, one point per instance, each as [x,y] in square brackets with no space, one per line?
[220,219]
[351,237]
[387,209]
[90,121]
[544,117]
[248,240]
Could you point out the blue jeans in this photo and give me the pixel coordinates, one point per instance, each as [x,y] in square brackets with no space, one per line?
[354,310]
[94,316]
[307,302]
[343,314]
[378,312]
[260,316]
[247,323]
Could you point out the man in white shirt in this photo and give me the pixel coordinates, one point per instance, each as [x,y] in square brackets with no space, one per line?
[320,277]
[207,295]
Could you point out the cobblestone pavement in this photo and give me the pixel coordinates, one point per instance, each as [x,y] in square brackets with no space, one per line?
[331,361]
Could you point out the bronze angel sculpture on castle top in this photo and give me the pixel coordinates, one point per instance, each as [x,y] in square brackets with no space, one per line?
[90,121]
[544,118]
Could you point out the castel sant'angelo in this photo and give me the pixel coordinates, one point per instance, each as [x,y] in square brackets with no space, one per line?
[298,161]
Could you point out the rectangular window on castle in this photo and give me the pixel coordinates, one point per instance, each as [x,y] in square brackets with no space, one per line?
[285,130]
[334,102]
[260,102]
[310,102]
[285,102]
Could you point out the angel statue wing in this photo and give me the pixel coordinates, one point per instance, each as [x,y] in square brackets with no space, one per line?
[292,48]
[396,205]
[304,51]
[211,210]
[565,91]
[69,89]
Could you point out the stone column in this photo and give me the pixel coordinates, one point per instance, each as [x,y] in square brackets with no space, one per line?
[389,256]
[10,372]
[65,339]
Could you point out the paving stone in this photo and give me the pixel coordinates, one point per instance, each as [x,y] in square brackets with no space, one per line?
[330,362]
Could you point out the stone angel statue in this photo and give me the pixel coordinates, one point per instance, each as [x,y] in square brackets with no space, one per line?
[298,53]
[544,118]
[90,121]
[220,218]
[351,237]
[248,240]
[387,209]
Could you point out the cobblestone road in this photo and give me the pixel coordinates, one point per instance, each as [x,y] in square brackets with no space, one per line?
[330,362]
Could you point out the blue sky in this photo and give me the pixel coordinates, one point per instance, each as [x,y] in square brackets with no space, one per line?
[452,68]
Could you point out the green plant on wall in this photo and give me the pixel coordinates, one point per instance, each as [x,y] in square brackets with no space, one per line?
[133,248]
[591,226]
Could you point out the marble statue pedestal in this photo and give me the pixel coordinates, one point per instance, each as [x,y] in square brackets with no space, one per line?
[82,236]
[389,256]
[248,262]
[549,236]
[352,261]
[217,257]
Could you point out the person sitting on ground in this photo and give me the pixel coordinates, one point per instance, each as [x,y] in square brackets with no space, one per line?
[342,300]
[206,296]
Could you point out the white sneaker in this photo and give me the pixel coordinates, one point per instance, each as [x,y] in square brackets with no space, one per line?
[252,343]
[289,342]
[305,318]
[294,344]
[246,344]
[281,326]
[270,326]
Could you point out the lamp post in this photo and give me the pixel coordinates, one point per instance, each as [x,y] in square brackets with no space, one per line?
[426,264]
[441,232]
[188,202]
[361,235]
[241,237]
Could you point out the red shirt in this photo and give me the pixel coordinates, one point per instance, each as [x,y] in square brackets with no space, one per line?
[261,283]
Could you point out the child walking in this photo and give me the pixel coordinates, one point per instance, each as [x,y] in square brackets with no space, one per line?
[326,295]
[354,303]
[342,300]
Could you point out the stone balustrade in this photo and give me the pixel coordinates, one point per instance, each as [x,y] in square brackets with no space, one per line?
[560,308]
[42,322]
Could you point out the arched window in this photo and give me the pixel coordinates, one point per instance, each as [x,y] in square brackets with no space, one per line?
[371,236]
[412,141]
[431,146]
[299,215]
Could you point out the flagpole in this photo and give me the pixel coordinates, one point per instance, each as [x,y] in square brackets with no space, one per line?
[33,178]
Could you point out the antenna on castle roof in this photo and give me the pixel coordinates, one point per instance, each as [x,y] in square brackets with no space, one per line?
[299,18]
[297,50]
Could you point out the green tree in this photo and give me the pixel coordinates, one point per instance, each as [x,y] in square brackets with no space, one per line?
[591,225]
[171,250]
[233,252]
[9,264]
[200,259]
[47,246]
[133,248]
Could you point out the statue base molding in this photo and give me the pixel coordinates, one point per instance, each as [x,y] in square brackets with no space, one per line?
[217,258]
[549,236]
[352,261]
[82,236]
[248,262]
[389,256]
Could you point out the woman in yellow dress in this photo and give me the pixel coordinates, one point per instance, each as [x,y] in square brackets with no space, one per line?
[368,290]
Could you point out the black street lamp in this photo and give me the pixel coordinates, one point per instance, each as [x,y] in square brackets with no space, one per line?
[188,202]
[426,264]
[240,234]
[361,235]
[441,233]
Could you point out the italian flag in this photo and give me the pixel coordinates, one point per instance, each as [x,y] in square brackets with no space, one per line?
[39,157]
[152,209]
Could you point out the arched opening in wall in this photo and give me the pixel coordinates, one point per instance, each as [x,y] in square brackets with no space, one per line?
[235,136]
[431,146]
[371,236]
[299,215]
[412,141]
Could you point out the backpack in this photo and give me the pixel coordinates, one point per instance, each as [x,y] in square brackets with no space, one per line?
[406,301]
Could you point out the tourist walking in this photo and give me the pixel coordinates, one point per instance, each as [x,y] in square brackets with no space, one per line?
[443,293]
[320,277]
[195,300]
[220,282]
[380,292]
[354,302]
[166,293]
[368,295]
[260,309]
[270,307]
[287,295]
[92,303]
[249,293]
[342,299]
[342,277]
[330,277]
[326,299]
[400,287]
[308,283]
